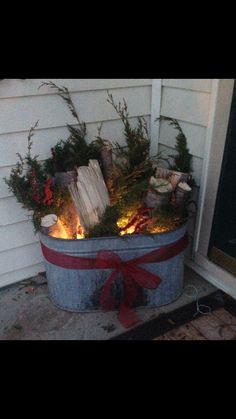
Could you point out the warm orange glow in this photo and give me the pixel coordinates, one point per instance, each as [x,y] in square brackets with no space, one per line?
[131,221]
[80,231]
[134,221]
[125,220]
[80,236]
[63,231]
[129,230]
[59,231]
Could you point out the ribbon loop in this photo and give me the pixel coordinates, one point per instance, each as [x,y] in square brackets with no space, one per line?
[107,257]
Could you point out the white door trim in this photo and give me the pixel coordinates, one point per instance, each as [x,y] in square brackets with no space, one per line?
[206,161]
[215,141]
[220,106]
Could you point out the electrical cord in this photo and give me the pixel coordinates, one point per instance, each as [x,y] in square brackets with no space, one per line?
[201,308]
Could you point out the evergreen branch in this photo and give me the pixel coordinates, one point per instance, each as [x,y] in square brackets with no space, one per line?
[64,93]
[182,161]
[99,130]
[30,135]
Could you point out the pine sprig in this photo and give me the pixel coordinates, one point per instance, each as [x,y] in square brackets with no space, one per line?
[133,163]
[183,159]
[64,93]
[137,139]
[107,225]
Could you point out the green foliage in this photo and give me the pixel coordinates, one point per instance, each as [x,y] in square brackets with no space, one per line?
[67,154]
[135,194]
[33,184]
[61,199]
[182,161]
[108,223]
[28,180]
[33,188]
[167,216]
[137,139]
[167,213]
[74,151]
[133,168]
[133,162]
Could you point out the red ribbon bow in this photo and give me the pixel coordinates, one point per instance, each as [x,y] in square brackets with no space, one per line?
[133,276]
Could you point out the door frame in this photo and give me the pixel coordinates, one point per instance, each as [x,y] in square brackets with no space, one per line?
[155,115]
[221,97]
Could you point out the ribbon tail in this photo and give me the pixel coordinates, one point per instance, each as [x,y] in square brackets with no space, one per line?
[130,289]
[127,316]
[106,300]
[144,278]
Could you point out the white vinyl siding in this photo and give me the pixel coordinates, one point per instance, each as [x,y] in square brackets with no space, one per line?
[188,101]
[197,85]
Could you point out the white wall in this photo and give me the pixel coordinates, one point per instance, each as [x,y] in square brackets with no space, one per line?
[21,105]
[189,101]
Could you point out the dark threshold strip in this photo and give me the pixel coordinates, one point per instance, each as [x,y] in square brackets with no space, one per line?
[169,321]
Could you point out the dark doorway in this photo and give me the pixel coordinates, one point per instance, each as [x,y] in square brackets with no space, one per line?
[222,248]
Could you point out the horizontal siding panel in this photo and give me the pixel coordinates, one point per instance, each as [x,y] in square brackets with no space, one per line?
[21,257]
[44,139]
[21,274]
[196,162]
[4,191]
[19,114]
[185,105]
[29,87]
[17,235]
[202,85]
[195,135]
[113,130]
[11,212]
[13,143]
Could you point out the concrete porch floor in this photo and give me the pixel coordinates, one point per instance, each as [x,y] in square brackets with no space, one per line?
[26,313]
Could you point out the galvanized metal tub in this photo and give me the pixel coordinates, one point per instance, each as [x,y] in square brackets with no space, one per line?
[79,290]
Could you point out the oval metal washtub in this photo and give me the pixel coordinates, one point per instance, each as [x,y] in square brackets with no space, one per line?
[79,290]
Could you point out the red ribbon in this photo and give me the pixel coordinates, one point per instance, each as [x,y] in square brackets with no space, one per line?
[133,275]
[48,193]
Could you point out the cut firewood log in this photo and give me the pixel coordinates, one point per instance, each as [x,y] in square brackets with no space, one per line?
[107,163]
[80,208]
[90,194]
[99,185]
